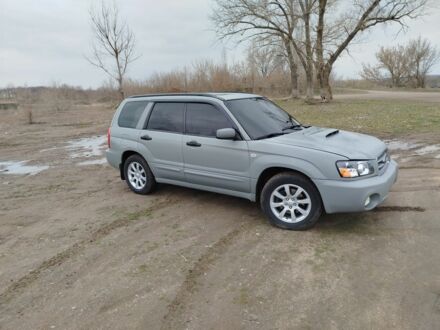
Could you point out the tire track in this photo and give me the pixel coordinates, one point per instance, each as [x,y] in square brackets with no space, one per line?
[173,317]
[18,286]
[399,209]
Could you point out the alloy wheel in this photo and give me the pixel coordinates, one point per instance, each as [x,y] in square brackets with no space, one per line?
[137,175]
[290,203]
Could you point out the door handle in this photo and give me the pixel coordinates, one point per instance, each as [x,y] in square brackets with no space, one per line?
[146,138]
[193,144]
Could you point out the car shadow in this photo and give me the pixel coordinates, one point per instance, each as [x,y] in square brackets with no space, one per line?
[217,199]
[357,223]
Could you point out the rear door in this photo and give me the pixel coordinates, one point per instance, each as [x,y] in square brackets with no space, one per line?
[161,140]
[208,160]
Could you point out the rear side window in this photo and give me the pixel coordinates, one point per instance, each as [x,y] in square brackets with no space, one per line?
[167,117]
[130,114]
[204,120]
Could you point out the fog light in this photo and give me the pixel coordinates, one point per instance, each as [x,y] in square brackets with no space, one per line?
[367,201]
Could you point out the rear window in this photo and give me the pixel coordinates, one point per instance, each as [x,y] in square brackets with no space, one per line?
[131,113]
[167,117]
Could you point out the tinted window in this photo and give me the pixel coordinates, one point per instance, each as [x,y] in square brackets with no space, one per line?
[204,119]
[167,117]
[260,117]
[130,114]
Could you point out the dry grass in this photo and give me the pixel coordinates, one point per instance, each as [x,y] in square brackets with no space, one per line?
[378,117]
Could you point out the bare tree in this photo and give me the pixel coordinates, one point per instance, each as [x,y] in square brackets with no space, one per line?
[114,45]
[374,74]
[395,62]
[265,60]
[307,31]
[261,19]
[335,34]
[27,98]
[423,57]
[403,65]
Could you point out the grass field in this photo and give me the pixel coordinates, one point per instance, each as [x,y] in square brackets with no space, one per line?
[382,118]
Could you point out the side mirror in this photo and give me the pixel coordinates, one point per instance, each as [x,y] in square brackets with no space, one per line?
[226,134]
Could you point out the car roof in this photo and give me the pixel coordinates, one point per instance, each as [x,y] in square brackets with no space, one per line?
[220,96]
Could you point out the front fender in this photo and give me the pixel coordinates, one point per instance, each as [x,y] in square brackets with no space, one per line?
[261,163]
[315,164]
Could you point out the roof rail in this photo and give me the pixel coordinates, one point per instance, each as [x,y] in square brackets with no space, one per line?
[177,94]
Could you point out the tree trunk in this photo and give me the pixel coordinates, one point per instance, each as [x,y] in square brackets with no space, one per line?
[121,92]
[253,79]
[420,77]
[327,88]
[421,81]
[294,92]
[306,8]
[121,89]
[293,68]
[120,77]
[324,83]
[309,84]
[320,66]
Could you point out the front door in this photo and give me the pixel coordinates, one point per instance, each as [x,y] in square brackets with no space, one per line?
[209,161]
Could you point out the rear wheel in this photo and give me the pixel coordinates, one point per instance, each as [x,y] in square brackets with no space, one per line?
[291,201]
[138,175]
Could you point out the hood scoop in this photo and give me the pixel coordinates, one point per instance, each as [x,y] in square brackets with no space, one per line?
[332,133]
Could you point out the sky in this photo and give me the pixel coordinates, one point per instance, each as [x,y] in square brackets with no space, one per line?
[45,42]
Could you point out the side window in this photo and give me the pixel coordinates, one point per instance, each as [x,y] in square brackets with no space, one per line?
[167,117]
[204,119]
[130,114]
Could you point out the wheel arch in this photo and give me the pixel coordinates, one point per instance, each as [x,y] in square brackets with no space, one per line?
[124,158]
[270,172]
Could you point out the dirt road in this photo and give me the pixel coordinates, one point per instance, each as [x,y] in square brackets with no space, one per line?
[392,95]
[79,250]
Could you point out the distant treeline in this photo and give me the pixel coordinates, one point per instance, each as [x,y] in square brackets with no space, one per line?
[250,76]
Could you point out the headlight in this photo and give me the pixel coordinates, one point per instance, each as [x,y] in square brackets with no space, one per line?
[355,168]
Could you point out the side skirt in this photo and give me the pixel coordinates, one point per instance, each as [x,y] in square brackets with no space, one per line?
[240,194]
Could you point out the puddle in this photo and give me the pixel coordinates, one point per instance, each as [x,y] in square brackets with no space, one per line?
[415,149]
[87,147]
[401,145]
[428,150]
[20,168]
[100,161]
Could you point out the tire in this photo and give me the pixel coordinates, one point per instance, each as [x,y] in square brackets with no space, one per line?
[138,175]
[290,193]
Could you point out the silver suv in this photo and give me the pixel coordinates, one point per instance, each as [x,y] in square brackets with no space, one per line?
[246,146]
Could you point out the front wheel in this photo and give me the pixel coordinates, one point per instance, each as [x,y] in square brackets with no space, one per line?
[291,201]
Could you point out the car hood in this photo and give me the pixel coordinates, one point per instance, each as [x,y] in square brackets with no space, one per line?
[348,144]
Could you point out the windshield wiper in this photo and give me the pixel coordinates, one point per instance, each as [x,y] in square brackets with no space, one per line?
[267,136]
[293,126]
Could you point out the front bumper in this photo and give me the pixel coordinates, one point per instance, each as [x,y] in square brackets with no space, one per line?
[350,196]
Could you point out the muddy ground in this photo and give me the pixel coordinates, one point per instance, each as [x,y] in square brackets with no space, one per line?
[79,250]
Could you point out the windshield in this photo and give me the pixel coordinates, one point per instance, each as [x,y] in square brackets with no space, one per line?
[262,118]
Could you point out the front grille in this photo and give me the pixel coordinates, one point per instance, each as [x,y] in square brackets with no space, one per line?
[383,160]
